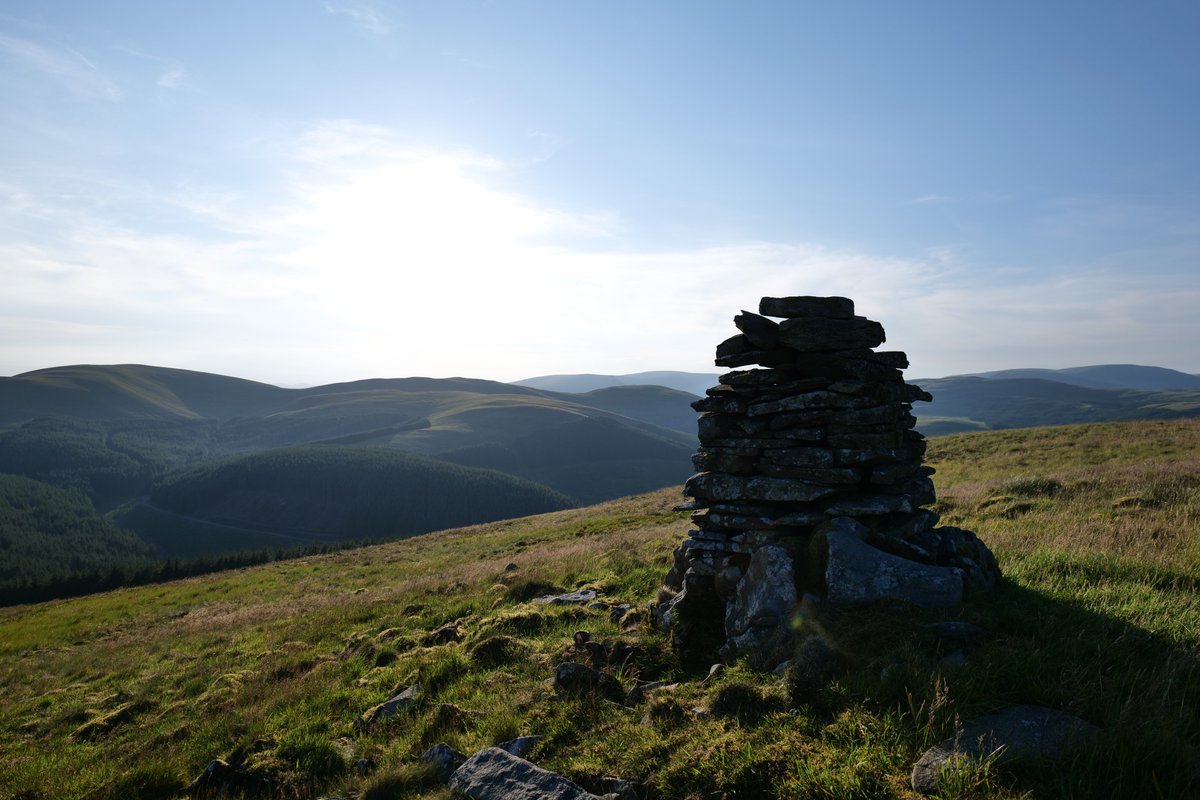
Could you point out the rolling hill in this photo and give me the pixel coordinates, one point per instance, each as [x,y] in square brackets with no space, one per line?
[977,403]
[299,495]
[1015,398]
[124,432]
[121,433]
[1107,376]
[132,391]
[690,382]
[48,532]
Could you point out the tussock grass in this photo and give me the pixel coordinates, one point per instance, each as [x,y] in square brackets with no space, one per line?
[132,693]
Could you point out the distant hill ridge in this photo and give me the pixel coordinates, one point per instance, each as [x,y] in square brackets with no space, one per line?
[120,391]
[690,382]
[1106,376]
[1014,398]
[1100,376]
[90,391]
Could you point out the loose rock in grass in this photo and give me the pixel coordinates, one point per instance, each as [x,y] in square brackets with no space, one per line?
[390,708]
[573,678]
[1016,733]
[444,759]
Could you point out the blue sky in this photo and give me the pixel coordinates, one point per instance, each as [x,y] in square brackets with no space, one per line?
[318,190]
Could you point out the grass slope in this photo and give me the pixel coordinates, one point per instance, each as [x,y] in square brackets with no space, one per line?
[130,694]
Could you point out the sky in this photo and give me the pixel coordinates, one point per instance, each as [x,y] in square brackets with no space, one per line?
[309,191]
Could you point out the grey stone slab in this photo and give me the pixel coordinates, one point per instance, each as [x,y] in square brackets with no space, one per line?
[389,708]
[868,506]
[579,598]
[809,401]
[444,759]
[807,306]
[857,573]
[768,589]
[808,334]
[762,333]
[718,486]
[494,774]
[801,457]
[522,745]
[777,358]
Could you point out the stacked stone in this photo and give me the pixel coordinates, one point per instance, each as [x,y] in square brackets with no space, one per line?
[816,438]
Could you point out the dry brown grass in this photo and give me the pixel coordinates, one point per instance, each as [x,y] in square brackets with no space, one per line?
[1148,511]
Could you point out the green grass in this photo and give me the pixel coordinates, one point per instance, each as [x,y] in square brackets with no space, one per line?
[131,693]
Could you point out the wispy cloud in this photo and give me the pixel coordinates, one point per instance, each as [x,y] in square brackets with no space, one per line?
[68,68]
[172,77]
[171,72]
[377,257]
[367,16]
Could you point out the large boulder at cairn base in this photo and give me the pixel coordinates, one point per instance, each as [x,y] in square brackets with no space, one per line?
[765,597]
[856,573]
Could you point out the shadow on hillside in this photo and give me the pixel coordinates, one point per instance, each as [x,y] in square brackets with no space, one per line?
[1140,687]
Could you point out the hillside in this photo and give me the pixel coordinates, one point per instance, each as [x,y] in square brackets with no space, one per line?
[161,418]
[1108,376]
[993,403]
[132,390]
[46,532]
[270,667]
[299,495]
[690,382]
[658,405]
[118,433]
[1015,398]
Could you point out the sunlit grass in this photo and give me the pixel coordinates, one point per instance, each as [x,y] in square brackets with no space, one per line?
[131,693]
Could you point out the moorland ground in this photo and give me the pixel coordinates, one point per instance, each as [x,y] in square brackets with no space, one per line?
[129,694]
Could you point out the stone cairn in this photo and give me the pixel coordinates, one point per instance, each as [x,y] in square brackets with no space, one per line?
[809,483]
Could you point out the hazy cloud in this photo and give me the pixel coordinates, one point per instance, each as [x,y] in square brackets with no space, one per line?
[929,200]
[367,16]
[174,75]
[171,72]
[372,256]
